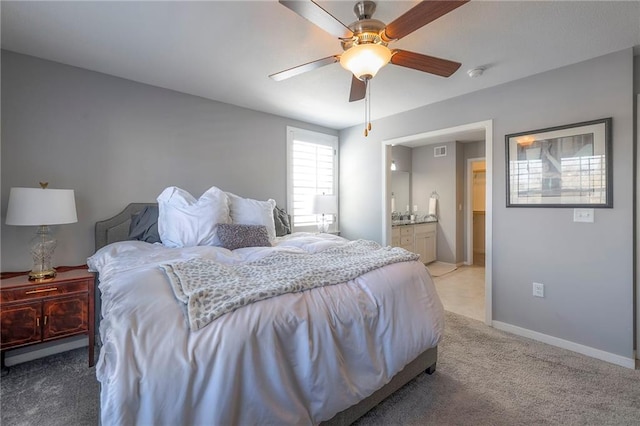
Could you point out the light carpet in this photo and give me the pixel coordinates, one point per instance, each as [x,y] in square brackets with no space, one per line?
[484,377]
[438,269]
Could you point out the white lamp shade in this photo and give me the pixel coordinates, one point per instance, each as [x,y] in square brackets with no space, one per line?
[325,204]
[365,59]
[37,206]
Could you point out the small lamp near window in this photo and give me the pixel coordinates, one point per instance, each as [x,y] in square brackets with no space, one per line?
[324,205]
[41,207]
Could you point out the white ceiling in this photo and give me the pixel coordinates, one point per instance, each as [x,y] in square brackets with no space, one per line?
[226,50]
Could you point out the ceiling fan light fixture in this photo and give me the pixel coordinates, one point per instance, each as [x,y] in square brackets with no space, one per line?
[365,60]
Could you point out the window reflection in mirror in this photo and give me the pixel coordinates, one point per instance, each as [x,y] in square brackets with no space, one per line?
[400,198]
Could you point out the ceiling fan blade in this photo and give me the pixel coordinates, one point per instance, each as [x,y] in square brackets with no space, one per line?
[417,17]
[420,62]
[358,89]
[314,13]
[288,73]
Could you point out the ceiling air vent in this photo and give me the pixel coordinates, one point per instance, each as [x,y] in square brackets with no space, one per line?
[440,151]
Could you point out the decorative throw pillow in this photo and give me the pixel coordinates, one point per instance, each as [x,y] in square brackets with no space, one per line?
[247,211]
[144,225]
[184,221]
[281,220]
[234,236]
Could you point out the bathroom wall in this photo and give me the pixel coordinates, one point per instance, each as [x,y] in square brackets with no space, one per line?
[438,174]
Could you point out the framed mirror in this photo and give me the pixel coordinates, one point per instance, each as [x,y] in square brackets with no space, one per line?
[400,191]
[565,166]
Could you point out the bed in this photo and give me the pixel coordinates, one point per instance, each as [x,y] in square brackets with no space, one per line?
[326,355]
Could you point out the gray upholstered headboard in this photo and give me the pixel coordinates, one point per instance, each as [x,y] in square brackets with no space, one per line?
[117,228]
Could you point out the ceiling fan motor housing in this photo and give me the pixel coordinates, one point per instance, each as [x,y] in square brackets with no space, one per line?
[364,9]
[365,29]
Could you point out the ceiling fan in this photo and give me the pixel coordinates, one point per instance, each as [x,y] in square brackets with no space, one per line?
[365,41]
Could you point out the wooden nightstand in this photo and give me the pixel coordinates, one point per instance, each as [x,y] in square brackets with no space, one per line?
[40,311]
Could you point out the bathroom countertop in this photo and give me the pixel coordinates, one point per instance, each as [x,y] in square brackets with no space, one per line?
[412,222]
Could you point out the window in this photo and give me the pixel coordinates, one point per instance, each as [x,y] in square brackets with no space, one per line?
[312,169]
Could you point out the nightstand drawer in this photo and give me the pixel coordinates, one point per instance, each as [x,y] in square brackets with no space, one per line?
[44,289]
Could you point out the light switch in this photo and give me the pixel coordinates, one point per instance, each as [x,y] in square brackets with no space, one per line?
[583,215]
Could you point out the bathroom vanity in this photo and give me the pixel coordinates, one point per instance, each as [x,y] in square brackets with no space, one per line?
[418,237]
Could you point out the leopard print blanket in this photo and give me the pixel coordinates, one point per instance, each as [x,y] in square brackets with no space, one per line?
[210,289]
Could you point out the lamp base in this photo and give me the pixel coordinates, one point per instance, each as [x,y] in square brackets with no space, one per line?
[41,275]
[323,227]
[42,247]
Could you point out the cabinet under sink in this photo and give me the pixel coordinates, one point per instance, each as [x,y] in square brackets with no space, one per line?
[419,238]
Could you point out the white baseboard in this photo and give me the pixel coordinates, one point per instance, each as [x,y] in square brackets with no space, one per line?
[29,353]
[566,344]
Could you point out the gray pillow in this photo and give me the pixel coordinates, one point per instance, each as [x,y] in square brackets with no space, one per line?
[234,236]
[281,220]
[144,225]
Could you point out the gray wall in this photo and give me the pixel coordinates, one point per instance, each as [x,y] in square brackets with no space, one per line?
[587,268]
[473,150]
[438,174]
[115,141]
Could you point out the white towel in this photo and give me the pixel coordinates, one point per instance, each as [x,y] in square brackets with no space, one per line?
[432,206]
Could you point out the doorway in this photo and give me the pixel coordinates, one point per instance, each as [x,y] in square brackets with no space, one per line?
[477,131]
[475,188]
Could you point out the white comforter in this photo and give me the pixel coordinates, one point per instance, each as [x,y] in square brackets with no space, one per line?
[292,359]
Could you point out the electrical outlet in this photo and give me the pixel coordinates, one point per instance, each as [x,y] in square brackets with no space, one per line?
[415,207]
[538,289]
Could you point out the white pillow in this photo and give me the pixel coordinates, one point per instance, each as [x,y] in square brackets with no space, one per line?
[246,211]
[184,221]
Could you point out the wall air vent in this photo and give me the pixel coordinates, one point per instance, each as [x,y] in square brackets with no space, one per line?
[440,151]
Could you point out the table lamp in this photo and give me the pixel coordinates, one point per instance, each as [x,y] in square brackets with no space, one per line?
[41,207]
[324,204]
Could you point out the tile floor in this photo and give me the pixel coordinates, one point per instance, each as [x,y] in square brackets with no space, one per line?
[462,291]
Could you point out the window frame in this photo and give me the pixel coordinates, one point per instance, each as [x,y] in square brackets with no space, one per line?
[313,137]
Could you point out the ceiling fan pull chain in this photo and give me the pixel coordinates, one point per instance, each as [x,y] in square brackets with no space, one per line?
[366,110]
[369,105]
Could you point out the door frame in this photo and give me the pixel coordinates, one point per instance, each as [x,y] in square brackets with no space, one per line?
[487,126]
[469,209]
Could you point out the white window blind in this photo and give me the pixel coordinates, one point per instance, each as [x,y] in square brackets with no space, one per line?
[312,170]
